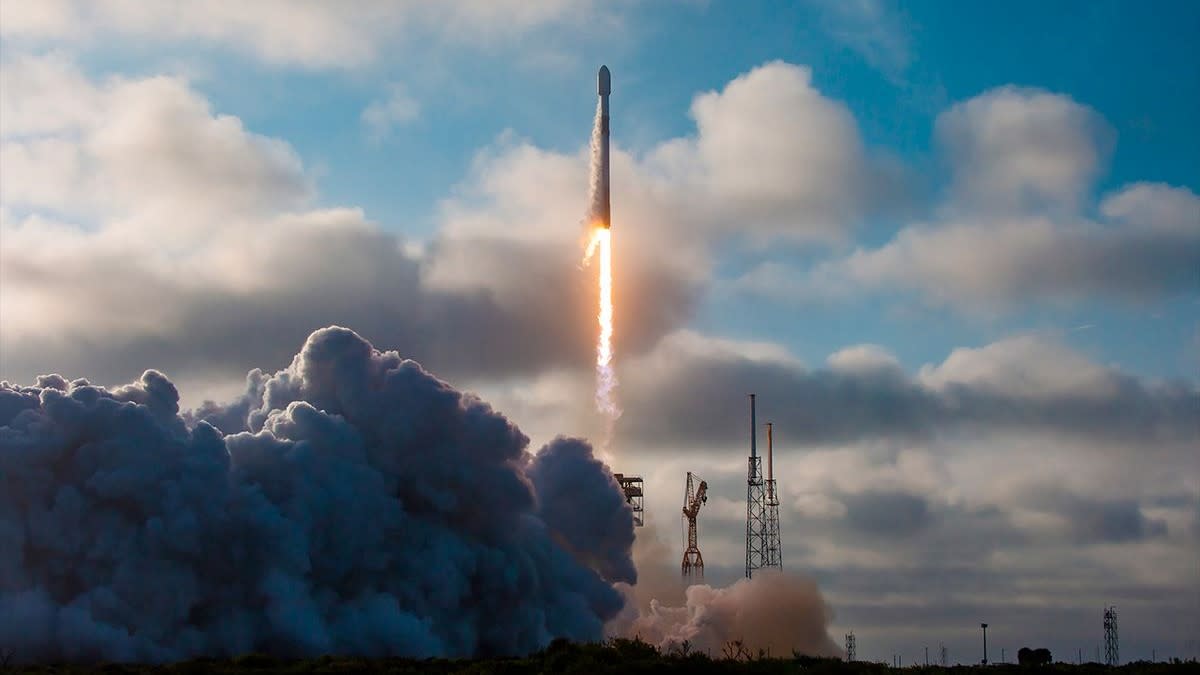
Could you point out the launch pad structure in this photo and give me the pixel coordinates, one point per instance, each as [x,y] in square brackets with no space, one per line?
[772,553]
[632,487]
[762,506]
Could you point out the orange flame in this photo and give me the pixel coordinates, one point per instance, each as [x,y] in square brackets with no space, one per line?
[606,377]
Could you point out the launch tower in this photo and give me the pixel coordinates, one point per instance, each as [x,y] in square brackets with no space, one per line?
[632,487]
[756,502]
[772,552]
[762,521]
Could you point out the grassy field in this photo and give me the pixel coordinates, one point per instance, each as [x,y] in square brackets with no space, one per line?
[617,656]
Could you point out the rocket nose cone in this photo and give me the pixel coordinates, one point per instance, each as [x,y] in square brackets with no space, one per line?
[605,81]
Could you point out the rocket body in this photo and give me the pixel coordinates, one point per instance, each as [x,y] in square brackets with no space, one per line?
[604,89]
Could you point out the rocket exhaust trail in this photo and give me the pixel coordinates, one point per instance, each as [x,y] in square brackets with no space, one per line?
[600,241]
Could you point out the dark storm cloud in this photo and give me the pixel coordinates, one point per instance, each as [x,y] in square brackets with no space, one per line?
[368,508]
[696,397]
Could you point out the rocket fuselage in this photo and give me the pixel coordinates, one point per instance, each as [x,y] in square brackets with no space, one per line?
[604,89]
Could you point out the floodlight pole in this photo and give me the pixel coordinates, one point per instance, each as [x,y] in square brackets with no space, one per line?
[984,627]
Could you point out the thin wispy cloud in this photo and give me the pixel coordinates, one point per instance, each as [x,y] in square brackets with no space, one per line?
[398,108]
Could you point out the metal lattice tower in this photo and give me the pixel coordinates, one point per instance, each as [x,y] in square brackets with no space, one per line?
[693,498]
[945,656]
[851,648]
[1112,647]
[772,550]
[756,504]
[632,487]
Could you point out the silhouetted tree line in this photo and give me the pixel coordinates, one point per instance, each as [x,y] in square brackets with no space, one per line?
[1033,657]
[618,655]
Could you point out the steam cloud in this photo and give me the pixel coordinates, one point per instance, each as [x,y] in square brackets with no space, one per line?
[350,503]
[774,611]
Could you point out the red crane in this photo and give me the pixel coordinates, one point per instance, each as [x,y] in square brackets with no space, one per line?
[693,562]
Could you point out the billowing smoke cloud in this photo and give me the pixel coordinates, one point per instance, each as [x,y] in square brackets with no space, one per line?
[357,505]
[600,534]
[779,611]
[774,611]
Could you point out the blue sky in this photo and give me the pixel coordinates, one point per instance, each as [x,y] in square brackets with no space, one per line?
[896,72]
[945,241]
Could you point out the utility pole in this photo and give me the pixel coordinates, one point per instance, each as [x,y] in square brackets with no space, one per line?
[984,627]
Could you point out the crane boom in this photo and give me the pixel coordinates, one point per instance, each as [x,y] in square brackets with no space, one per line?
[701,497]
[693,498]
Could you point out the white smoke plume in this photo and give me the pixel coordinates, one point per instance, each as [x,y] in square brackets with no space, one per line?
[776,612]
[351,503]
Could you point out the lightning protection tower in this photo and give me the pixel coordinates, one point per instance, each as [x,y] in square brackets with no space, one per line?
[693,497]
[851,648]
[1112,648]
[772,550]
[756,503]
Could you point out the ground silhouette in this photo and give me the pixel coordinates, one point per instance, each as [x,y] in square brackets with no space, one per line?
[614,656]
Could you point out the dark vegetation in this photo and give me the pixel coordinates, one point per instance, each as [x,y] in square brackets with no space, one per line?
[1033,657]
[614,656]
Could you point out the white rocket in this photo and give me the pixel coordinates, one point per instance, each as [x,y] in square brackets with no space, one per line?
[605,88]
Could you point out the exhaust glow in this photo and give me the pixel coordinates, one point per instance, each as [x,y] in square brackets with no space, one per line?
[606,376]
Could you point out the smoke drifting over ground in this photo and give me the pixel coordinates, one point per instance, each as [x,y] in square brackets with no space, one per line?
[357,504]
[776,611]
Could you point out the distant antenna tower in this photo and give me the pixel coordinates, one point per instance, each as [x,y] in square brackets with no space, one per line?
[1112,647]
[851,648]
[772,550]
[945,656]
[756,504]
[693,497]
